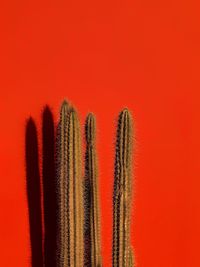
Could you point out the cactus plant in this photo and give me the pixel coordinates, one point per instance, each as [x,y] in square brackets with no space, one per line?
[74,207]
[91,181]
[122,253]
[70,202]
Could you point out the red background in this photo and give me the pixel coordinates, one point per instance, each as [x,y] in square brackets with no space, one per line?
[102,56]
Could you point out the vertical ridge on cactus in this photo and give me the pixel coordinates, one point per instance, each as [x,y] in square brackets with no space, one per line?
[131,258]
[122,254]
[91,176]
[70,195]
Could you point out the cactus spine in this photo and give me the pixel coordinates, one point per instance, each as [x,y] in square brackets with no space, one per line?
[122,253]
[70,202]
[91,176]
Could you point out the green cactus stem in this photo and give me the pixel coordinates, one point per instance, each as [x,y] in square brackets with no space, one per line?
[91,176]
[70,190]
[122,253]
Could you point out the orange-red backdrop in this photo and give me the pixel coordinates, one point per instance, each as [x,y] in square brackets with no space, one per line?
[104,55]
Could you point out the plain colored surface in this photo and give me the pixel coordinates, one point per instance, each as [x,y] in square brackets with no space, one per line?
[102,56]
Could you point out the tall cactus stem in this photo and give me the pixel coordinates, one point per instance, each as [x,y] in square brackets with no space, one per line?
[70,190]
[91,173]
[61,152]
[122,254]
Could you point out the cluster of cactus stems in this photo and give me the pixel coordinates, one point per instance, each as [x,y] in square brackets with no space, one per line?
[78,241]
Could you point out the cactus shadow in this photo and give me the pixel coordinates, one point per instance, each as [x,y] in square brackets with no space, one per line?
[41,252]
[33,193]
[49,187]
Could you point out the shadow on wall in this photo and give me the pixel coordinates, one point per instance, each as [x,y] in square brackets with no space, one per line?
[34,182]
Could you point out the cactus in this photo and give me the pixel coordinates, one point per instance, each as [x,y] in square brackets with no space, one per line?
[91,180]
[61,151]
[69,182]
[122,253]
[77,224]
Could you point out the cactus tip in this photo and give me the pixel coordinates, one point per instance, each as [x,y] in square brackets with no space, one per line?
[125,111]
[65,102]
[90,128]
[64,107]
[73,114]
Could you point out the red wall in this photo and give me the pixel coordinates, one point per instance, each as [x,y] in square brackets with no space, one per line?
[104,55]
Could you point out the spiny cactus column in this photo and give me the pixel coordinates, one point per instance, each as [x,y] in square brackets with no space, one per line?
[91,174]
[70,190]
[61,151]
[122,253]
